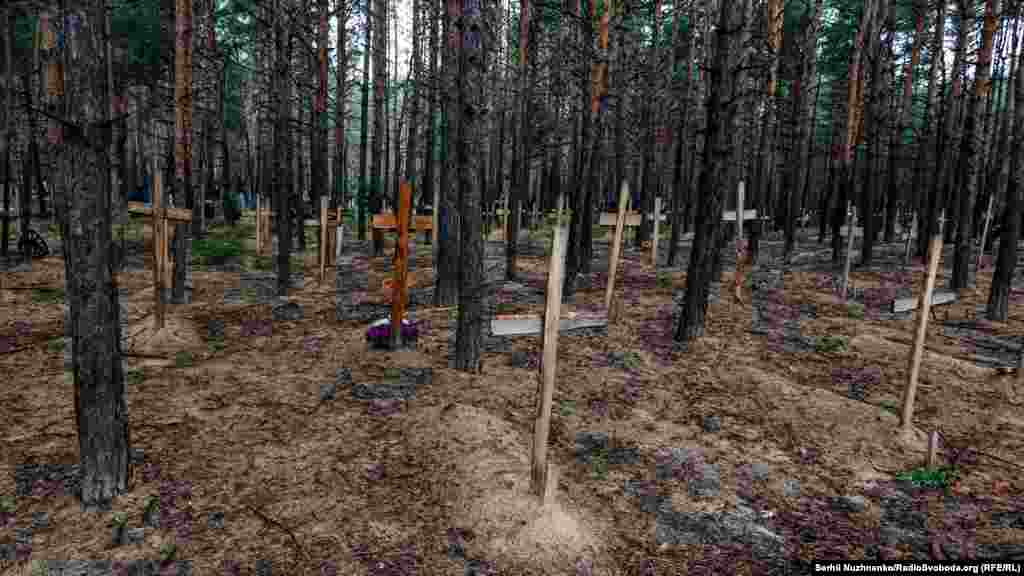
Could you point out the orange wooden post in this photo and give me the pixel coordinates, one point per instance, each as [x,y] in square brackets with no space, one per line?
[158,251]
[324,248]
[398,302]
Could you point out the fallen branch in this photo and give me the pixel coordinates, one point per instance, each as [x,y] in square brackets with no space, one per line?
[268,520]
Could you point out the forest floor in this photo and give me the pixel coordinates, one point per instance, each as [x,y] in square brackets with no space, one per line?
[770,440]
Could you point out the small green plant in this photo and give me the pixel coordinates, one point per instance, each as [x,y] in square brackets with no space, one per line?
[890,406]
[599,463]
[567,408]
[392,373]
[7,504]
[48,295]
[207,248]
[632,360]
[167,551]
[925,478]
[664,281]
[150,504]
[135,376]
[831,344]
[39,568]
[503,308]
[855,310]
[55,345]
[120,519]
[183,359]
[249,295]
[216,345]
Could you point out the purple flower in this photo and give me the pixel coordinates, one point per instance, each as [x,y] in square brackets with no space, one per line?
[375,472]
[599,407]
[311,344]
[22,328]
[584,567]
[6,344]
[232,568]
[328,568]
[151,472]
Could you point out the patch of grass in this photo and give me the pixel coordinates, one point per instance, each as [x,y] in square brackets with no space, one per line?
[207,248]
[249,295]
[120,519]
[150,504]
[832,344]
[890,406]
[632,360]
[261,263]
[136,377]
[183,359]
[504,308]
[55,345]
[392,373]
[167,551]
[925,478]
[216,345]
[599,463]
[40,568]
[664,281]
[48,295]
[567,408]
[855,310]
[7,504]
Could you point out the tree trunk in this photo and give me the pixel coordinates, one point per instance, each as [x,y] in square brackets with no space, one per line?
[845,175]
[973,151]
[873,123]
[521,190]
[101,410]
[899,178]
[282,177]
[1006,262]
[446,291]
[363,200]
[725,81]
[680,180]
[8,125]
[183,147]
[475,36]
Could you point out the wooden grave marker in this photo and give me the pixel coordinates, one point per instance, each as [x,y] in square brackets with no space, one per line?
[934,254]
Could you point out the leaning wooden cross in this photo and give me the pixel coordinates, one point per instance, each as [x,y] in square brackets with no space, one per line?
[401,294]
[934,254]
[541,484]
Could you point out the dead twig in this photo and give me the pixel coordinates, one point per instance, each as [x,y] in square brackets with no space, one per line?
[268,520]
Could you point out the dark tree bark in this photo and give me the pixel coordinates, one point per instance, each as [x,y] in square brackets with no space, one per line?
[1006,263]
[446,290]
[282,179]
[476,37]
[8,126]
[973,152]
[724,78]
[101,410]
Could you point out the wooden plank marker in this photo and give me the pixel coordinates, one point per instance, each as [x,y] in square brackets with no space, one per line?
[613,265]
[933,450]
[401,265]
[934,254]
[740,247]
[158,249]
[910,236]
[984,233]
[654,239]
[849,250]
[539,480]
[259,225]
[324,248]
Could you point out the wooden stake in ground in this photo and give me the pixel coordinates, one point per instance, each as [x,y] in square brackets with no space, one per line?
[323,236]
[613,265]
[654,239]
[984,233]
[934,254]
[740,247]
[158,250]
[933,450]
[259,226]
[401,265]
[910,236]
[539,462]
[849,248]
[435,224]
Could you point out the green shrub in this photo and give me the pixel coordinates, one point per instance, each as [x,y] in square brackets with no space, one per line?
[183,359]
[925,478]
[567,408]
[120,518]
[48,295]
[207,248]
[136,377]
[832,344]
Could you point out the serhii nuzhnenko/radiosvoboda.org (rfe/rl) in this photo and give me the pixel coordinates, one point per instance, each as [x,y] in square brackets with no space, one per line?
[979,568]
